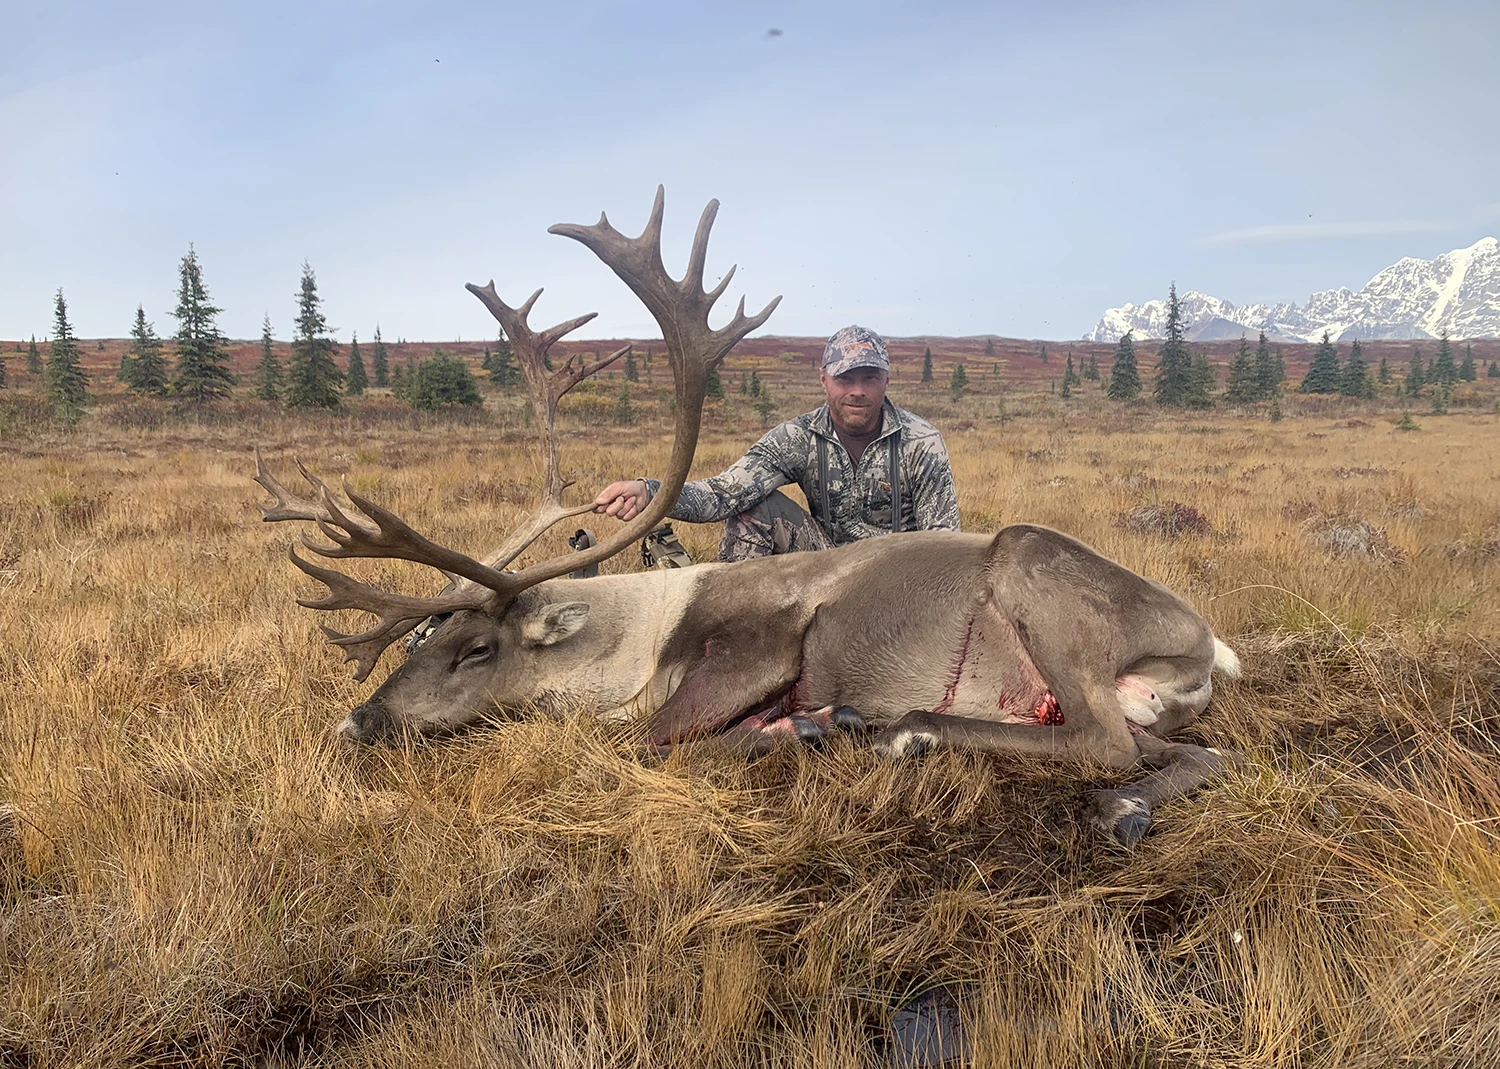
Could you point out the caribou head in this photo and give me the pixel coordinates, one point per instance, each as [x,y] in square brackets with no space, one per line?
[510,632]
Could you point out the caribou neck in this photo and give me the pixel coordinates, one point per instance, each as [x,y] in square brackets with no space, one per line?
[614,664]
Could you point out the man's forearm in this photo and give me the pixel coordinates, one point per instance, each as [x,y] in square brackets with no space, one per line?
[748,482]
[697,503]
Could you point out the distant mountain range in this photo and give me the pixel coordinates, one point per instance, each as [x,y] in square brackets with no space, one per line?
[1458,292]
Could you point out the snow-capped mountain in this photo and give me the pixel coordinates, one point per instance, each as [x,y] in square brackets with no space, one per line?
[1458,292]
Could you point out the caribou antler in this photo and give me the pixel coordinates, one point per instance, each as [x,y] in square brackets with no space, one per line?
[681,309]
[378,533]
[545,389]
[398,614]
[288,505]
[693,349]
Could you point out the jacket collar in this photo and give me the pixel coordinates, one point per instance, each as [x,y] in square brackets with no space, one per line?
[891,421]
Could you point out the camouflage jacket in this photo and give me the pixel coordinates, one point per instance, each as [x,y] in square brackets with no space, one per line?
[858,497]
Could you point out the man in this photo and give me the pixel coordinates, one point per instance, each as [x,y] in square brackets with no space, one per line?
[867,468]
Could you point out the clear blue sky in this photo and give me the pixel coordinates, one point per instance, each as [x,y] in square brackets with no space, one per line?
[934,167]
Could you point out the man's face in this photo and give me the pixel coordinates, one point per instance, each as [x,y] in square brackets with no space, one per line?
[855,397]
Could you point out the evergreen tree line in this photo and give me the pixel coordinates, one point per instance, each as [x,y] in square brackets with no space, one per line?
[1185,379]
[199,366]
[1442,373]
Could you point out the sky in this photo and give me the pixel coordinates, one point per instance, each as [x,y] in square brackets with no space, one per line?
[920,168]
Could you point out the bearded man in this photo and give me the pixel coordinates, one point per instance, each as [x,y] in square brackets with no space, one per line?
[866,467]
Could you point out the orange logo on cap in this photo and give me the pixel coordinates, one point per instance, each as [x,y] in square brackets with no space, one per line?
[855,348]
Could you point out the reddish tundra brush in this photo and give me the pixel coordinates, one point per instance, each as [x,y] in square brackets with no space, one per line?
[1026,641]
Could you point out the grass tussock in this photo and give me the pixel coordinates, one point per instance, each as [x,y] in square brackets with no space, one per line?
[193,873]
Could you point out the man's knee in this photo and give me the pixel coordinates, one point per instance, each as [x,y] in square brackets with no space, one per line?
[776,525]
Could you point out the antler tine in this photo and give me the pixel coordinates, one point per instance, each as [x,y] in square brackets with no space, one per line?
[714,294]
[397,613]
[698,257]
[290,506]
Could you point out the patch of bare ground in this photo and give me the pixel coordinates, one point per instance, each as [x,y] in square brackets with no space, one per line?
[193,873]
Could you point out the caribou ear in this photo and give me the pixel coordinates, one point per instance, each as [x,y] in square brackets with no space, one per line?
[555,622]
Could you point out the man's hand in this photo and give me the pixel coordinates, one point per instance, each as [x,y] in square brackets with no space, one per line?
[623,500]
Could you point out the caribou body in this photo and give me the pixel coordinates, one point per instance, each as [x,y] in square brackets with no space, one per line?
[1026,641]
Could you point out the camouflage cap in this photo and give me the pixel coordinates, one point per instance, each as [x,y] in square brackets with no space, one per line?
[854,347]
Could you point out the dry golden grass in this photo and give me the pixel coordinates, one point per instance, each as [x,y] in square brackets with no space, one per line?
[193,873]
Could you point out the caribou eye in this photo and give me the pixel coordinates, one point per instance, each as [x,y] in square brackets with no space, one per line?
[477,654]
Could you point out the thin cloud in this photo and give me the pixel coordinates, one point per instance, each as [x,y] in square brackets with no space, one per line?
[1283,232]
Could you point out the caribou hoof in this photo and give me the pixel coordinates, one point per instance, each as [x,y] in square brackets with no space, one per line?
[808,732]
[846,718]
[911,736]
[1123,818]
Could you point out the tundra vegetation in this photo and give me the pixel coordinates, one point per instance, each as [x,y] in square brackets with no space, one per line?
[194,872]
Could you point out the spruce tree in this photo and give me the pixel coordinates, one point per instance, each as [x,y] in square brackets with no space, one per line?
[1070,377]
[505,360]
[1416,377]
[1268,372]
[313,379]
[1384,375]
[625,407]
[380,367]
[143,369]
[1323,374]
[1466,370]
[1443,372]
[1494,371]
[1243,386]
[33,359]
[927,365]
[270,378]
[757,388]
[632,374]
[959,380]
[202,371]
[67,382]
[502,366]
[1174,366]
[764,406]
[1043,353]
[1354,380]
[714,388]
[989,347]
[1124,376]
[1202,378]
[355,378]
[443,380]
[1092,371]
[2,372]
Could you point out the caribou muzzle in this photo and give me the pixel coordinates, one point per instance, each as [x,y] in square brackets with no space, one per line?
[370,723]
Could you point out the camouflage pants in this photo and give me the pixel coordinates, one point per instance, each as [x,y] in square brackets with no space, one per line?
[776,525]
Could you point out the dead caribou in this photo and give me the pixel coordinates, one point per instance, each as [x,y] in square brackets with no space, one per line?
[1025,642]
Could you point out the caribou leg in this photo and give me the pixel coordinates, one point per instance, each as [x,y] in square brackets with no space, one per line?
[763,729]
[1124,813]
[920,731]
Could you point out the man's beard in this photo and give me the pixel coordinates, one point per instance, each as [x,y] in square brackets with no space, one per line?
[859,419]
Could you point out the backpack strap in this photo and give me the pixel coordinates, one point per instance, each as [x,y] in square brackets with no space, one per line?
[827,518]
[895,458]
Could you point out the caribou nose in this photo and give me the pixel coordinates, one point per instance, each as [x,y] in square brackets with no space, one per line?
[365,723]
